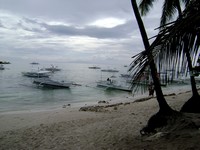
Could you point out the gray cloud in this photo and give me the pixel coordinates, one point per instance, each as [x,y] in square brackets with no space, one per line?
[62,28]
[71,11]
[121,31]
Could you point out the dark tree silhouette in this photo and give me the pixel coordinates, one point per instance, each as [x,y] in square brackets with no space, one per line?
[160,118]
[169,9]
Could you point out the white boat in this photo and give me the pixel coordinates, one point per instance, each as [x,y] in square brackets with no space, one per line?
[109,70]
[34,63]
[94,67]
[53,68]
[37,74]
[125,75]
[46,82]
[4,62]
[1,67]
[113,85]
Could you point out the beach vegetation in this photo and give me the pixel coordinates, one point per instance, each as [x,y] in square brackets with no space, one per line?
[169,9]
[139,65]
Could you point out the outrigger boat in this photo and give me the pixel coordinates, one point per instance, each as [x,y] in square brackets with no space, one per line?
[94,67]
[46,82]
[53,68]
[37,74]
[113,85]
[109,70]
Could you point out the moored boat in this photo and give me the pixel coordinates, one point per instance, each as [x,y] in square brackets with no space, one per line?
[94,67]
[37,74]
[109,70]
[46,82]
[113,85]
[34,63]
[53,68]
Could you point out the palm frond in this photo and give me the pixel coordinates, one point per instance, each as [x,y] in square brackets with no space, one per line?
[178,37]
[168,49]
[145,6]
[168,10]
[186,2]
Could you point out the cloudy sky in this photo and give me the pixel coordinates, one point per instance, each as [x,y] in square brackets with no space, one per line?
[71,30]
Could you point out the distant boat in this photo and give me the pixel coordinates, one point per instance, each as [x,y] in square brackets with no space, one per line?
[2,67]
[109,70]
[37,74]
[125,75]
[4,62]
[94,67]
[53,68]
[113,85]
[46,82]
[34,63]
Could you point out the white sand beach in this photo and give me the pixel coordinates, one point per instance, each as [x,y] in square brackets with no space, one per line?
[114,127]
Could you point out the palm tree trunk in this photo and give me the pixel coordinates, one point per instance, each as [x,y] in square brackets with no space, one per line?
[192,105]
[164,107]
[192,79]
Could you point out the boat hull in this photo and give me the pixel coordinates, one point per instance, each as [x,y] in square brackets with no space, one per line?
[41,74]
[110,85]
[51,83]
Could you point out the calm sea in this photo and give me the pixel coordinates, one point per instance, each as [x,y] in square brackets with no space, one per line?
[18,93]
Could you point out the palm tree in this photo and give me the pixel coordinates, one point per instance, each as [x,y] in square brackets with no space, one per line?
[183,33]
[158,119]
[169,7]
[179,40]
[185,38]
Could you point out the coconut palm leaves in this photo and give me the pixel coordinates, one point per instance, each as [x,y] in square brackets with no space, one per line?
[169,9]
[173,43]
[177,40]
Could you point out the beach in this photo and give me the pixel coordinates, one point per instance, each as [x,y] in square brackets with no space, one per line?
[115,126]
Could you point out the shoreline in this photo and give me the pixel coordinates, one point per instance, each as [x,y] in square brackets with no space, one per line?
[103,104]
[177,88]
[111,101]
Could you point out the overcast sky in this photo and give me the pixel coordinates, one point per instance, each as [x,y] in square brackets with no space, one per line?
[71,30]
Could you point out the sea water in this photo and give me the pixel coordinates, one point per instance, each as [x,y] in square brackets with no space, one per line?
[18,93]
